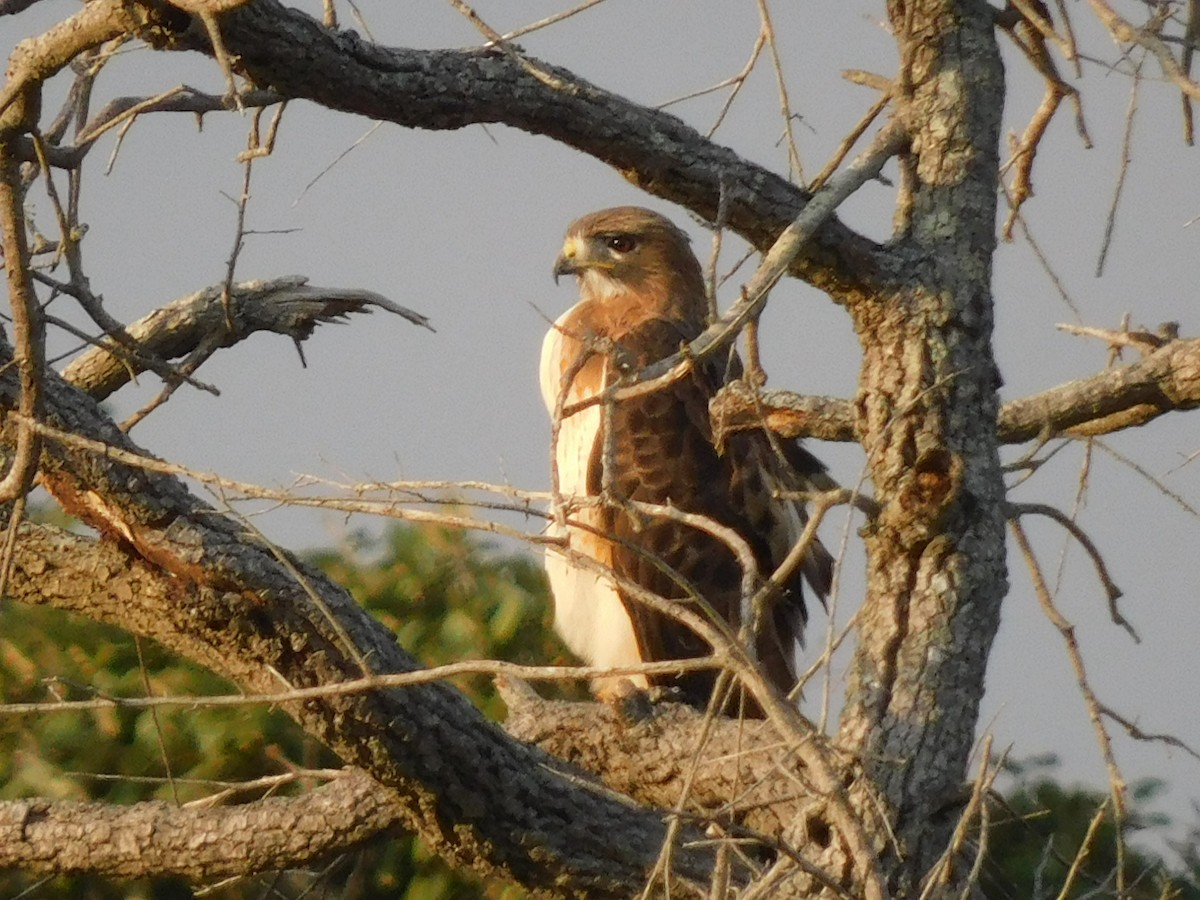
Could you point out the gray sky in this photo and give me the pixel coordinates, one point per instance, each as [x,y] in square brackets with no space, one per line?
[463,226]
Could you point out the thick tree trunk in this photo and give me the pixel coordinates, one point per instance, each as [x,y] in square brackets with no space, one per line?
[926,416]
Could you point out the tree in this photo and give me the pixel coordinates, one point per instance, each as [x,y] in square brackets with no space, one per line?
[883,805]
[474,603]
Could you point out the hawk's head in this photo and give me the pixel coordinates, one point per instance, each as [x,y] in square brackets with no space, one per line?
[629,249]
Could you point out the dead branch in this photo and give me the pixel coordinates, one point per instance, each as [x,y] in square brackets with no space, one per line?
[442,89]
[81,574]
[1111,592]
[1066,630]
[195,326]
[28,332]
[1166,380]
[1125,33]
[122,109]
[36,59]
[1030,32]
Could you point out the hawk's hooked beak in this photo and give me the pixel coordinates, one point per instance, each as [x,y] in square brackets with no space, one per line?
[568,260]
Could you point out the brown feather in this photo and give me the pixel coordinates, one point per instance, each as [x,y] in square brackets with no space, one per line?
[645,303]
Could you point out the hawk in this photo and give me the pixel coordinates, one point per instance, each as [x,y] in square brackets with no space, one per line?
[642,298]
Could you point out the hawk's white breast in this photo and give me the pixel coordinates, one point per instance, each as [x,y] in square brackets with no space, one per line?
[588,612]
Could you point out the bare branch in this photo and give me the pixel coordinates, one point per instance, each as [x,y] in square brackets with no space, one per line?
[1125,33]
[195,841]
[1030,35]
[1095,709]
[451,89]
[1167,380]
[1111,591]
[36,59]
[196,324]
[28,331]
[549,20]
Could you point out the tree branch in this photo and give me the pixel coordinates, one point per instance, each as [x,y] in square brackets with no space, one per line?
[669,757]
[196,325]
[196,842]
[1166,380]
[447,89]
[94,578]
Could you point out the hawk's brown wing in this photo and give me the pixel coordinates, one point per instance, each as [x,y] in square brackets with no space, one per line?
[663,453]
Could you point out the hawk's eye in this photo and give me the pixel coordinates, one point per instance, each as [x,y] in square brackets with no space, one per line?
[621,243]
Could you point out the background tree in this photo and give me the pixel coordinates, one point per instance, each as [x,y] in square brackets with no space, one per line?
[874,806]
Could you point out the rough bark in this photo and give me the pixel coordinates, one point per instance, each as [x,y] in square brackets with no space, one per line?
[201,323]
[925,414]
[196,842]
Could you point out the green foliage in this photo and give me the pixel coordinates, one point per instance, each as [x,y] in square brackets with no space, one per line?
[1038,830]
[448,597]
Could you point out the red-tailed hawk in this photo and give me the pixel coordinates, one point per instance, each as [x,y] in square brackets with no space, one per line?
[642,298]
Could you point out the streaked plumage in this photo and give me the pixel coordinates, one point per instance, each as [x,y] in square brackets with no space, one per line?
[642,292]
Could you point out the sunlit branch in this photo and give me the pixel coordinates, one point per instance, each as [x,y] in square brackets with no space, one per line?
[198,841]
[192,327]
[1164,381]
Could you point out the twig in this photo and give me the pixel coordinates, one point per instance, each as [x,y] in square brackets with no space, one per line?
[549,20]
[1126,33]
[1112,592]
[1085,847]
[1030,35]
[737,82]
[1091,702]
[941,874]
[796,168]
[29,355]
[1148,476]
[848,142]
[1138,734]
[1122,171]
[374,682]
[497,40]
